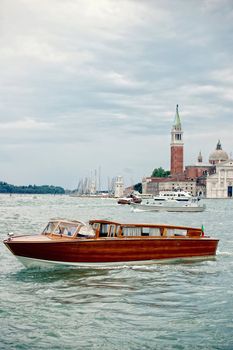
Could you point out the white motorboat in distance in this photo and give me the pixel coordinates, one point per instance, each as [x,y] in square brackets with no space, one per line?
[170,206]
[177,195]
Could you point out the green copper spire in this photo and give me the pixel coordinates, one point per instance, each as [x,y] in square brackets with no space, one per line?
[177,123]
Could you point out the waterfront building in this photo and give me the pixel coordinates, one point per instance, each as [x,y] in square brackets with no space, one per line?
[150,185]
[198,179]
[172,184]
[154,185]
[205,175]
[199,169]
[220,184]
[177,179]
[119,187]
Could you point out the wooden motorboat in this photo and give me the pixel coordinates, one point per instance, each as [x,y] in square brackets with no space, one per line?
[192,206]
[130,199]
[124,200]
[102,243]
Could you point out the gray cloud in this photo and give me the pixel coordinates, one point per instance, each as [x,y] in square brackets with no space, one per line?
[86,84]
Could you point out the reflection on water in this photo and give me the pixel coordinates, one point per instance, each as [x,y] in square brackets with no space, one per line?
[52,275]
[167,306]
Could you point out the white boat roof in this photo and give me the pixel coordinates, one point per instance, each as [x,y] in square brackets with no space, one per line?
[65,221]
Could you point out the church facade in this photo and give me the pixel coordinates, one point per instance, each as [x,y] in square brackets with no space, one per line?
[220,184]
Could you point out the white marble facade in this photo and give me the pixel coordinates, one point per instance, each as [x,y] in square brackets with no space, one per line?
[220,184]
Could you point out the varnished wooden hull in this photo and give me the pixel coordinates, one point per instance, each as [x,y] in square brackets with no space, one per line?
[117,250]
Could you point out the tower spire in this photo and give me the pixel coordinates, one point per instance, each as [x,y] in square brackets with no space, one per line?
[177,122]
[199,159]
[219,146]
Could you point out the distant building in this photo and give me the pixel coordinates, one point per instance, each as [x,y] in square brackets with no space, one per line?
[198,169]
[119,187]
[154,185]
[218,156]
[198,179]
[150,185]
[177,179]
[128,190]
[220,184]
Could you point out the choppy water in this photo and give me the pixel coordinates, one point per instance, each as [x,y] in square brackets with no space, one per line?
[179,306]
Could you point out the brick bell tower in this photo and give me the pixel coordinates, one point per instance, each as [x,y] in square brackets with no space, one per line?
[177,146]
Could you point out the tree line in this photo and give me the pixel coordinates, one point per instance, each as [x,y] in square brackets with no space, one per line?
[157,172]
[31,189]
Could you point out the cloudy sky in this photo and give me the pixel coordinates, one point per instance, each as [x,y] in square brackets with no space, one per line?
[89,84]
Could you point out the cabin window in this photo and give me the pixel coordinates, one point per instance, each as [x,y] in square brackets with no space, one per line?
[145,231]
[174,232]
[169,232]
[104,230]
[151,231]
[180,232]
[112,229]
[132,231]
[154,231]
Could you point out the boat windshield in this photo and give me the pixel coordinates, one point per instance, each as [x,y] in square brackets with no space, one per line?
[49,228]
[69,229]
[61,228]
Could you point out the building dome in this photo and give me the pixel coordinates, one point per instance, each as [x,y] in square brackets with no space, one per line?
[218,155]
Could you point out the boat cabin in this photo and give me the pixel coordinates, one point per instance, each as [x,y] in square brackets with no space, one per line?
[104,229]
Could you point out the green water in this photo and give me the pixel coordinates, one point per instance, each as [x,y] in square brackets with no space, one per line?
[177,306]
